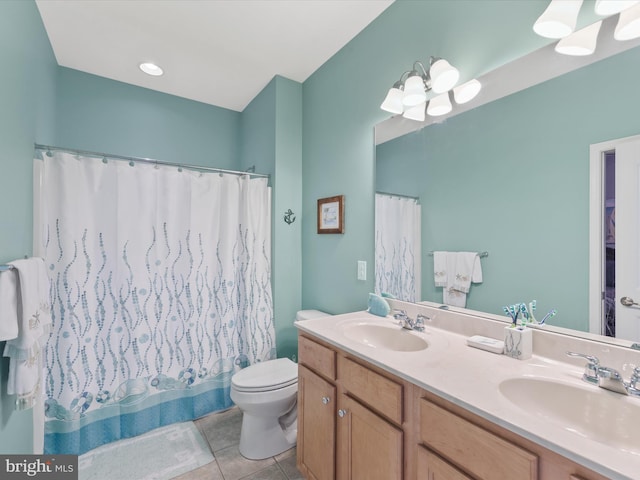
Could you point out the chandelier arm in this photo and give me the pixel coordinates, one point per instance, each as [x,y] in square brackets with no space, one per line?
[424,71]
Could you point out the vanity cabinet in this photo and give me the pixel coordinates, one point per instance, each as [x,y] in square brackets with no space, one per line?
[317,402]
[357,421]
[454,443]
[471,448]
[359,457]
[316,426]
[350,417]
[432,467]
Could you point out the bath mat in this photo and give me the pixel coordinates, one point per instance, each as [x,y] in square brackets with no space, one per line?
[160,454]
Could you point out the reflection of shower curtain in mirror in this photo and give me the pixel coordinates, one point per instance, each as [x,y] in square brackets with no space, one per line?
[397,247]
[160,287]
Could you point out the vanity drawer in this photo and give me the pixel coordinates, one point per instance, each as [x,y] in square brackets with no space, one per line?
[373,389]
[475,450]
[317,357]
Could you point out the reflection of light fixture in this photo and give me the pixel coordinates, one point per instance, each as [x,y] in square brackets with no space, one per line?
[582,42]
[628,26]
[408,96]
[416,112]
[439,105]
[559,21]
[467,91]
[609,7]
[151,69]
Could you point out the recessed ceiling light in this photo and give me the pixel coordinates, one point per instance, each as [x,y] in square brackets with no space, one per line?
[151,69]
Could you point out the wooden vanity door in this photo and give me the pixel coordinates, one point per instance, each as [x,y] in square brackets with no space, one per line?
[369,447]
[316,426]
[432,467]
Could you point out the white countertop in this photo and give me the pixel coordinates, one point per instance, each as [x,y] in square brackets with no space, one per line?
[470,378]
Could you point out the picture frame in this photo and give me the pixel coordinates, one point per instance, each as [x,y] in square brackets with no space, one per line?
[331,214]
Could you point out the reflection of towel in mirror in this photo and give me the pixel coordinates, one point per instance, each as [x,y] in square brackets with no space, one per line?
[460,269]
[440,268]
[34,324]
[8,305]
[467,270]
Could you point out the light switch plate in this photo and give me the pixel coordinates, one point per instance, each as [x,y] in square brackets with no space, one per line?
[362,270]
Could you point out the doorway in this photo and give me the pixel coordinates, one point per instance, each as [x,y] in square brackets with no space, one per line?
[614,240]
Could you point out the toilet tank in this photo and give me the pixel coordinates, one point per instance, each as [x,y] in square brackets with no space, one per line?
[309,314]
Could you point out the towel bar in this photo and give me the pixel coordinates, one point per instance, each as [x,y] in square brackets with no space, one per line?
[480,254]
[4,268]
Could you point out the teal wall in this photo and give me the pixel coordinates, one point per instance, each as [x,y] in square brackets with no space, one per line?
[102,115]
[341,106]
[27,109]
[512,177]
[287,260]
[272,141]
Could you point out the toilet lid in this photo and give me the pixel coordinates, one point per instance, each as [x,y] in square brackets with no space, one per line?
[264,376]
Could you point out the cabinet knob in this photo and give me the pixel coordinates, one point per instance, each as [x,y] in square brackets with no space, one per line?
[325,400]
[342,413]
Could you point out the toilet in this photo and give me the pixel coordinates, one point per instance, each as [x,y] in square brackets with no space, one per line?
[267,393]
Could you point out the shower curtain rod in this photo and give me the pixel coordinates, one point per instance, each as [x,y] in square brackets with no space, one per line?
[399,195]
[148,160]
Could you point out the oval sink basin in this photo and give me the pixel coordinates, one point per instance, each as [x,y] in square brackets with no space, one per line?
[389,337]
[588,411]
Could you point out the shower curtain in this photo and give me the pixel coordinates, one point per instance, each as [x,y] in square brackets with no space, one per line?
[397,247]
[160,289]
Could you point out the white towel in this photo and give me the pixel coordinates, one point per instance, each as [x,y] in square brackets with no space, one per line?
[8,304]
[467,270]
[34,325]
[440,268]
[453,297]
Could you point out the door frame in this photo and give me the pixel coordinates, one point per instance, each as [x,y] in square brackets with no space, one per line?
[597,229]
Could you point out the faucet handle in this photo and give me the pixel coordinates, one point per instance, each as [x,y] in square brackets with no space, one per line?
[634,382]
[399,313]
[419,324]
[591,370]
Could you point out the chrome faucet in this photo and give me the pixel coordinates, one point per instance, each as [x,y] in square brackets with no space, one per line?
[590,369]
[609,378]
[409,324]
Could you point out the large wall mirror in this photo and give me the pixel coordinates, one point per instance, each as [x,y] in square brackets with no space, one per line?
[512,178]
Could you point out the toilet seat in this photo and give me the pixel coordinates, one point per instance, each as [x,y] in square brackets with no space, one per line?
[266,376]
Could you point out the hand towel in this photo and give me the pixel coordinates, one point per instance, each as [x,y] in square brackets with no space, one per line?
[34,324]
[8,304]
[440,268]
[451,296]
[467,270]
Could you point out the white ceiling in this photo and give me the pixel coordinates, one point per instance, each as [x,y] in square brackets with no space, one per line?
[220,52]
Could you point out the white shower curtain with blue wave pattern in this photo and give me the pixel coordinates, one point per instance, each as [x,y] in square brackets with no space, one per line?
[398,247]
[160,288]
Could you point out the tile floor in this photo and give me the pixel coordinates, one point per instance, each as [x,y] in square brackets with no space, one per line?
[222,431]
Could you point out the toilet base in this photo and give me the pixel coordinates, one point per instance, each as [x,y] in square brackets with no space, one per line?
[271,440]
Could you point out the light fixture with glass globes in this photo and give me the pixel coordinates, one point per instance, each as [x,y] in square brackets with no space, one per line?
[559,19]
[409,96]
